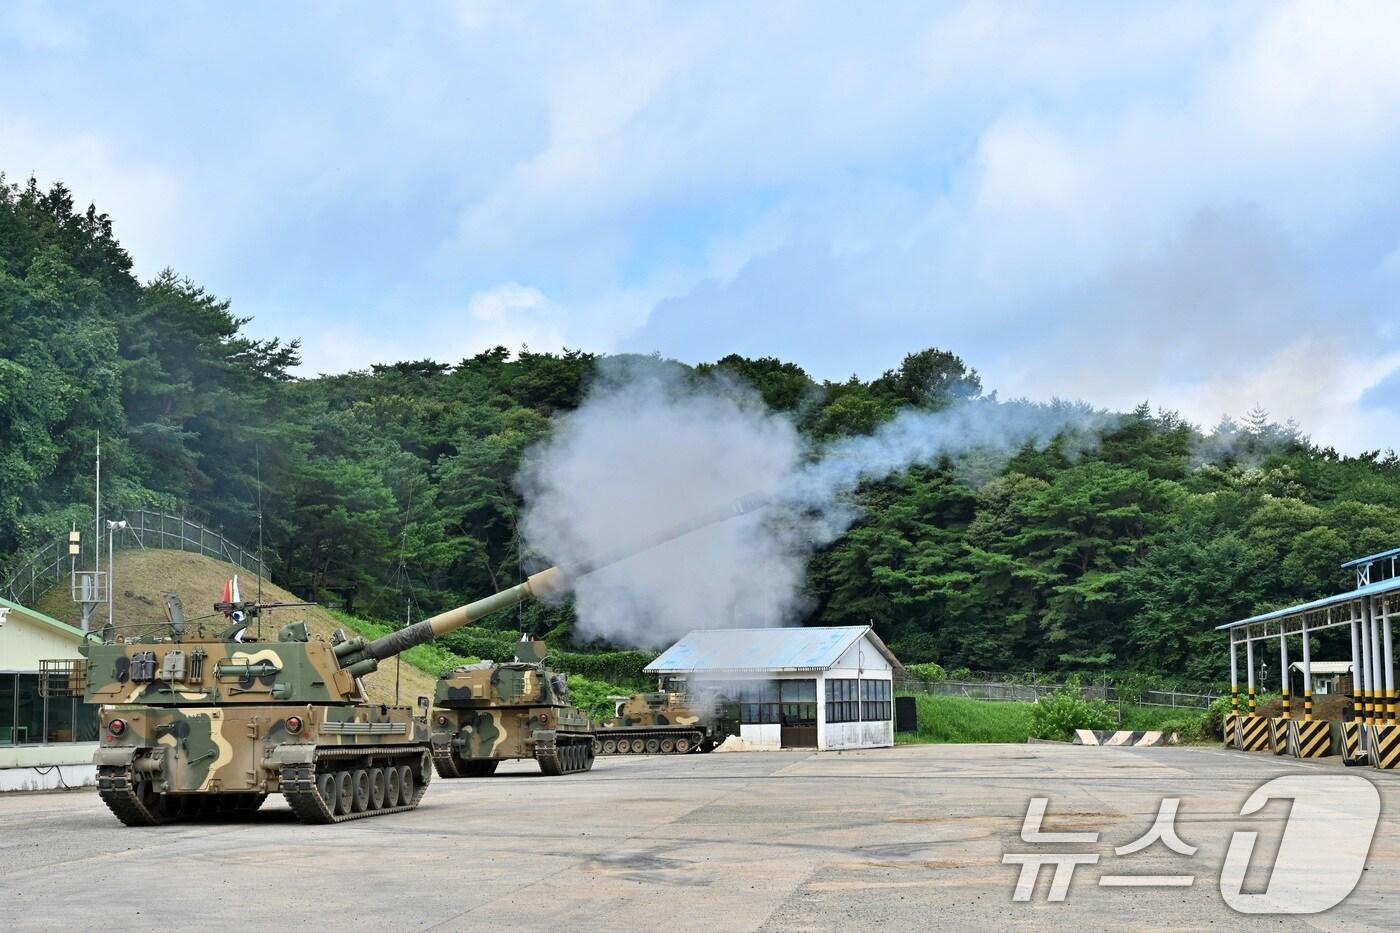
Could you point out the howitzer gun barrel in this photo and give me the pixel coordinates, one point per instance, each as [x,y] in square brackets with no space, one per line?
[360,657]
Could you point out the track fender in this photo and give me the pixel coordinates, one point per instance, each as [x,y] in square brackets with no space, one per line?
[115,757]
[290,755]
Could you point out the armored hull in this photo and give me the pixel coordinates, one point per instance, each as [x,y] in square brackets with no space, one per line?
[187,730]
[487,713]
[662,724]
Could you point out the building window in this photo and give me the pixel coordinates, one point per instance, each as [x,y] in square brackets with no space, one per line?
[758,701]
[875,703]
[27,717]
[799,702]
[842,700]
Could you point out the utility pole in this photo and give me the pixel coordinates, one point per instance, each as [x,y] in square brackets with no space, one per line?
[112,528]
[97,512]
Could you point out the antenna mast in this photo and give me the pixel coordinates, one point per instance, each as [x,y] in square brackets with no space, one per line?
[257,461]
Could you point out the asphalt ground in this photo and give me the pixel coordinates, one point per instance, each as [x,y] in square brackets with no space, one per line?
[911,837]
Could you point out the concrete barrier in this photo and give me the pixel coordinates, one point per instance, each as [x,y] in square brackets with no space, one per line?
[1123,738]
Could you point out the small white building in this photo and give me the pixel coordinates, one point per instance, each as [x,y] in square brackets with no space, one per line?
[824,688]
[46,741]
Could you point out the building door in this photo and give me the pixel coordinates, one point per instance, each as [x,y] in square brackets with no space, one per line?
[797,709]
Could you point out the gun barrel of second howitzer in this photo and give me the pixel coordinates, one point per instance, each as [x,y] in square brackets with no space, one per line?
[360,657]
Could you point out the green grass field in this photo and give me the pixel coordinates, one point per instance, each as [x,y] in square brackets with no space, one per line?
[957,720]
[945,719]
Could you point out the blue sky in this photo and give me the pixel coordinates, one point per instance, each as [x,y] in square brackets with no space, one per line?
[1189,204]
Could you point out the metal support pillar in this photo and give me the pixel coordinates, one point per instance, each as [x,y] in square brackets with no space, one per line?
[1283,672]
[1249,663]
[1355,670]
[1366,683]
[1307,675]
[1377,682]
[1234,677]
[1387,662]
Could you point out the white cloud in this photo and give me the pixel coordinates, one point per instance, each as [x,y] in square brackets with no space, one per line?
[836,185]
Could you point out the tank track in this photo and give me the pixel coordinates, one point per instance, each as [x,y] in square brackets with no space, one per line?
[449,764]
[564,753]
[653,741]
[127,801]
[299,782]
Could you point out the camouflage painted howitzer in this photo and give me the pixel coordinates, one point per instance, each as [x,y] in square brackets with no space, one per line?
[663,723]
[487,713]
[202,721]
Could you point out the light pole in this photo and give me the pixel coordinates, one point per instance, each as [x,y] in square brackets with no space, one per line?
[112,528]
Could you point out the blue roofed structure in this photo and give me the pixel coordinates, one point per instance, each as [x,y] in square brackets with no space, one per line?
[1368,611]
[764,649]
[790,687]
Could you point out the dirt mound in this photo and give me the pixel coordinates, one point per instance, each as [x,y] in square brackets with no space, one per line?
[143,577]
[1327,706]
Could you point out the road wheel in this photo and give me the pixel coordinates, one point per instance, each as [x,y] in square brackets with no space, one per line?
[361,801]
[391,786]
[667,746]
[344,792]
[325,786]
[637,746]
[682,746]
[609,746]
[406,784]
[653,746]
[376,788]
[597,747]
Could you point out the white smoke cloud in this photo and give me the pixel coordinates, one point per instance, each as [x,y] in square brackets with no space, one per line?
[654,446]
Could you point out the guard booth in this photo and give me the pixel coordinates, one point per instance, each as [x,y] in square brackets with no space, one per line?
[1368,731]
[795,687]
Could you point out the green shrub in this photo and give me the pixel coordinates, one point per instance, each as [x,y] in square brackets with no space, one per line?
[1058,715]
[615,667]
[591,696]
[1213,724]
[928,672]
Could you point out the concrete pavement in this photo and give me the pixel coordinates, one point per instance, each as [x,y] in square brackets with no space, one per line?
[904,838]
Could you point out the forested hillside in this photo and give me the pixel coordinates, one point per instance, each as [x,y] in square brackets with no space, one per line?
[1120,558]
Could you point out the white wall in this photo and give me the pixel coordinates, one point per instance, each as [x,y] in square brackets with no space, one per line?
[840,735]
[864,661]
[761,735]
[863,655]
[39,767]
[24,642]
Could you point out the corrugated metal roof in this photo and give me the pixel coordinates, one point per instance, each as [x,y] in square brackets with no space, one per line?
[38,616]
[1373,589]
[763,649]
[1370,557]
[1324,667]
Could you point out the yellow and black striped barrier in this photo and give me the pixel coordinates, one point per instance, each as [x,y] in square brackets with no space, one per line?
[1352,753]
[1385,745]
[1254,733]
[1278,735]
[1310,738]
[1232,731]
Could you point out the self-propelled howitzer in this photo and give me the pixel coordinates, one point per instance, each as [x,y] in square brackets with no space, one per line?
[200,722]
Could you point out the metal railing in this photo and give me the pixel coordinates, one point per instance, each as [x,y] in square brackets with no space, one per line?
[1030,693]
[146,528]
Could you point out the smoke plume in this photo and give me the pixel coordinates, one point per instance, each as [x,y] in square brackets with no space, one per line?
[654,445]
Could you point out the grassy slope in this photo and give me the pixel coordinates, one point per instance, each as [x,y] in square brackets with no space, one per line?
[143,576]
[958,719]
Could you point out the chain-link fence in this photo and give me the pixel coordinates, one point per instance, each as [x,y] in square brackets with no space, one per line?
[1030,693]
[145,528]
